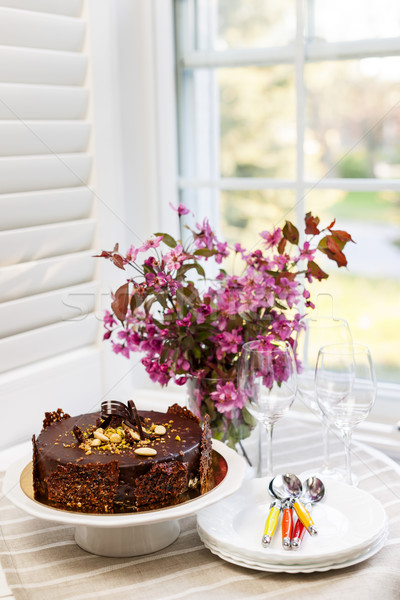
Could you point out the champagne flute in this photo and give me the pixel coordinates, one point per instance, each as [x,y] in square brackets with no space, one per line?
[315,333]
[345,383]
[267,379]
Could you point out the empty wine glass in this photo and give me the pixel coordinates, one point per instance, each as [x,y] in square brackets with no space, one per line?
[267,379]
[345,384]
[315,333]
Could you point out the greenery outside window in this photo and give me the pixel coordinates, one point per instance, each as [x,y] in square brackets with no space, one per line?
[288,107]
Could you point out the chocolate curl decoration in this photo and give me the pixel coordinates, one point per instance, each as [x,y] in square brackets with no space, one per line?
[128,414]
[80,438]
[136,417]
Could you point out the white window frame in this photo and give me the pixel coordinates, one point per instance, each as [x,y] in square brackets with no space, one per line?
[384,419]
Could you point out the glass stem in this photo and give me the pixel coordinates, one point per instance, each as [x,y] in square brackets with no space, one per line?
[325,441]
[347,446]
[260,450]
[269,468]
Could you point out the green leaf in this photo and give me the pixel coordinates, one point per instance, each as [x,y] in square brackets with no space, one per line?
[162,299]
[204,252]
[168,239]
[184,268]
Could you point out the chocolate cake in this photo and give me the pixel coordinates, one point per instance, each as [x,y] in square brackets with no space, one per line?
[119,459]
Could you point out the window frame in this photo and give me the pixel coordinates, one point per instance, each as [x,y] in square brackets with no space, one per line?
[298,53]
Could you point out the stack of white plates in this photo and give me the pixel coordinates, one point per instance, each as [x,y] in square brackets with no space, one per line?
[352,527]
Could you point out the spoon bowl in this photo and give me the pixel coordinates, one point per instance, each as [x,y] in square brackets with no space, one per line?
[314,490]
[289,486]
[286,486]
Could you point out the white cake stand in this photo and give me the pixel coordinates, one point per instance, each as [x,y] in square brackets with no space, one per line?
[132,534]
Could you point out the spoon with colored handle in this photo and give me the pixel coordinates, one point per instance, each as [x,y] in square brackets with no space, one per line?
[287,523]
[289,486]
[287,518]
[272,519]
[314,492]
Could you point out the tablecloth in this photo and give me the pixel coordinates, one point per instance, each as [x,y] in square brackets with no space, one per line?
[41,560]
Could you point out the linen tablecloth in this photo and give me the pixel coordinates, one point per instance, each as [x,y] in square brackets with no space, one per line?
[42,562]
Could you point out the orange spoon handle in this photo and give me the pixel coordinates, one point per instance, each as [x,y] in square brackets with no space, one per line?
[287,525]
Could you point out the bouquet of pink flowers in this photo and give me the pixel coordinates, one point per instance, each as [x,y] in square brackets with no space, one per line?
[192,328]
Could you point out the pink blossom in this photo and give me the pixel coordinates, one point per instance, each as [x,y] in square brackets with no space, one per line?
[228,343]
[227,397]
[272,239]
[205,236]
[222,251]
[181,209]
[131,254]
[203,311]
[175,258]
[152,243]
[185,322]
[306,253]
[109,319]
[287,290]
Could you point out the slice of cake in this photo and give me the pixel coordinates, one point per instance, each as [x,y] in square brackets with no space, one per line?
[122,461]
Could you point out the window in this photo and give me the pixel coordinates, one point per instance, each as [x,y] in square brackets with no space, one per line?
[288,107]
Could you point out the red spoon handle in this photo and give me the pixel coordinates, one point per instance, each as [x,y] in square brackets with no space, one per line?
[298,534]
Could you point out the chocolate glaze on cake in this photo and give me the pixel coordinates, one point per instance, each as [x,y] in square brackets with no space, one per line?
[69,476]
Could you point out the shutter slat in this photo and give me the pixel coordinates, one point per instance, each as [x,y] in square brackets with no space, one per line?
[27,279]
[38,344]
[40,208]
[20,101]
[41,137]
[21,65]
[40,30]
[67,304]
[43,172]
[47,268]
[36,243]
[72,8]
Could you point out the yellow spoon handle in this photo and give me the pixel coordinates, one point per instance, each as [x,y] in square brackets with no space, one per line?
[271,523]
[304,517]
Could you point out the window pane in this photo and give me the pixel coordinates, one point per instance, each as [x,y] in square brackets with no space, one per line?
[353,118]
[244,214]
[255,23]
[367,293]
[344,20]
[257,113]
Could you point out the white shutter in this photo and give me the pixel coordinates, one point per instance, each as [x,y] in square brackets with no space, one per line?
[47,224]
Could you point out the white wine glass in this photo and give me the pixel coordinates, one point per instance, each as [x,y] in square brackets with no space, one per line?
[345,384]
[267,379]
[315,333]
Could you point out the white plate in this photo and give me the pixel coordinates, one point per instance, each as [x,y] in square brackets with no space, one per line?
[310,568]
[349,521]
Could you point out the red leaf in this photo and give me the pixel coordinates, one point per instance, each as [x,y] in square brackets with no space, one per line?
[332,224]
[311,224]
[316,271]
[334,253]
[121,301]
[290,233]
[104,254]
[118,261]
[282,246]
[343,236]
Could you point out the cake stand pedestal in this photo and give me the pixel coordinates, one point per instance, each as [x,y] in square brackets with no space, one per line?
[127,541]
[130,534]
